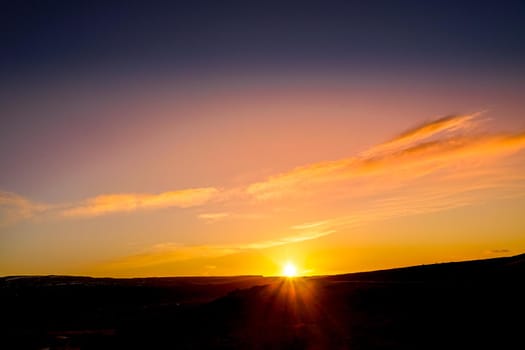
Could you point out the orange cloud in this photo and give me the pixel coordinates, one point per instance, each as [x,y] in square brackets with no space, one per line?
[440,165]
[14,207]
[436,166]
[296,238]
[167,253]
[309,225]
[414,153]
[112,203]
[213,216]
[172,252]
[425,131]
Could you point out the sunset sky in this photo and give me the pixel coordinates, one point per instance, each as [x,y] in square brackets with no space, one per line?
[221,138]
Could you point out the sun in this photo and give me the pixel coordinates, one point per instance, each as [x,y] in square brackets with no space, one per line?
[289,270]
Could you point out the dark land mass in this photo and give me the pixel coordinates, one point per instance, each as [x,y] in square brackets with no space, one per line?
[464,305]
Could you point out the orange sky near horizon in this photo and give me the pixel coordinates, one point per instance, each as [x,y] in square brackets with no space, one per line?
[243,178]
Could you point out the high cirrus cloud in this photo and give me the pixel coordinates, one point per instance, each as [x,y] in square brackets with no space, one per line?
[170,252]
[112,203]
[447,163]
[14,207]
[424,131]
[417,152]
[434,149]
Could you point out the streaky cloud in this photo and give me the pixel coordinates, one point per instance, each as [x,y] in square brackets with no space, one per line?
[392,179]
[438,166]
[450,123]
[170,252]
[14,208]
[417,152]
[113,203]
[213,216]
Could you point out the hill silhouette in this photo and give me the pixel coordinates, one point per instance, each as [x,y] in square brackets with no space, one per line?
[450,305]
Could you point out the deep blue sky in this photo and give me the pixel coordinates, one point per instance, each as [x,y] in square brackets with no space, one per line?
[68,36]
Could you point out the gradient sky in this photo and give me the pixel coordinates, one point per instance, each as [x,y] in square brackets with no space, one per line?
[219,138]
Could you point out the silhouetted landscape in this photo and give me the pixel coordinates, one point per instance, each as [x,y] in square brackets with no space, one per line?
[462,305]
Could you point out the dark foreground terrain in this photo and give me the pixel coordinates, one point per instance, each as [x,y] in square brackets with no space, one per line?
[467,305]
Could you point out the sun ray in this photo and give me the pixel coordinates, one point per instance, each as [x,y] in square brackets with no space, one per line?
[289,270]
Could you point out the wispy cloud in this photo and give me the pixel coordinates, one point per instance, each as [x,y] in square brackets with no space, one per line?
[169,252]
[498,251]
[213,216]
[14,207]
[295,238]
[309,225]
[415,153]
[443,164]
[440,165]
[222,216]
[112,203]
[427,130]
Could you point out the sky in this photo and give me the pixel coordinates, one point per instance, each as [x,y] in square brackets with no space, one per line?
[166,138]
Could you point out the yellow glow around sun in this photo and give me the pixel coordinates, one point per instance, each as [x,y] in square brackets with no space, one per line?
[289,270]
